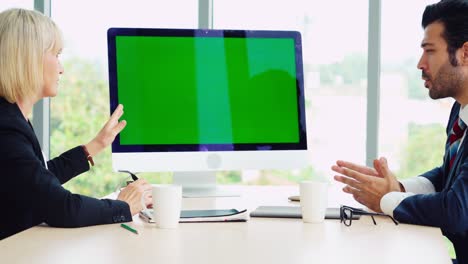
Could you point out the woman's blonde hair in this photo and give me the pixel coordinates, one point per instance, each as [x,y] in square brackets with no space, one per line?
[25,36]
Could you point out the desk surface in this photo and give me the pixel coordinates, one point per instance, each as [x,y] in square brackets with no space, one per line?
[260,240]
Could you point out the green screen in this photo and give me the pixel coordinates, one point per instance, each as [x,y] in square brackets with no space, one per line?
[207,90]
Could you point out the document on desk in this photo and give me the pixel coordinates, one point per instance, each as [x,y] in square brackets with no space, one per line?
[199,216]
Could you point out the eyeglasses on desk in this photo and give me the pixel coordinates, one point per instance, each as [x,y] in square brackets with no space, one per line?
[347,213]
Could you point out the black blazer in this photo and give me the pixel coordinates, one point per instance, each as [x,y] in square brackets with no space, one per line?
[447,208]
[31,194]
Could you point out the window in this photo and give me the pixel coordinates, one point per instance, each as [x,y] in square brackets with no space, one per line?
[335,59]
[82,105]
[412,125]
[334,44]
[6,4]
[335,67]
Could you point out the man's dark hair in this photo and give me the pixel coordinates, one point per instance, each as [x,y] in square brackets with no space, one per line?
[453,14]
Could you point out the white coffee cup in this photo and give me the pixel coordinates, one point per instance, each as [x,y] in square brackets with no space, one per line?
[167,202]
[314,196]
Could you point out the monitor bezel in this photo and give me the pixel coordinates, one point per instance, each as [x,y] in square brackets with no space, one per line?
[112,33]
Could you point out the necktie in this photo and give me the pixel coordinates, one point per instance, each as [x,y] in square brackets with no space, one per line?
[454,139]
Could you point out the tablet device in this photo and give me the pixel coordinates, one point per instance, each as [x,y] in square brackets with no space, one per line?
[207,213]
[213,215]
[292,212]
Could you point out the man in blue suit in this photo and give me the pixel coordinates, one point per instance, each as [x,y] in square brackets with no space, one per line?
[438,197]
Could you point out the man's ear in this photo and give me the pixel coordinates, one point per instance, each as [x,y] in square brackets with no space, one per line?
[464,50]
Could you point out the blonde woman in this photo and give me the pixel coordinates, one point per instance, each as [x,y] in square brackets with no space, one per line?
[31,189]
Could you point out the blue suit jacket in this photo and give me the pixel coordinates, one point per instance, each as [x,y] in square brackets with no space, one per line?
[30,194]
[447,208]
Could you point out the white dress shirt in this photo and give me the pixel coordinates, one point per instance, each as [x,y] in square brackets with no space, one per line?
[415,185]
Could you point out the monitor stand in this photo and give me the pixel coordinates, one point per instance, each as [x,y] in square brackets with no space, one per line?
[200,184]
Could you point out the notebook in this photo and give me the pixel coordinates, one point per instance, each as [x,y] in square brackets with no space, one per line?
[292,212]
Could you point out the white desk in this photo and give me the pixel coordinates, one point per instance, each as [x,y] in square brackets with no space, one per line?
[260,240]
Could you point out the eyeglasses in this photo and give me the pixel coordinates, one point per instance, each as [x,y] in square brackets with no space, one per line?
[125,180]
[347,213]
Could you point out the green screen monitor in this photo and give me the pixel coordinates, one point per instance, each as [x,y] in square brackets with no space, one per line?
[206,100]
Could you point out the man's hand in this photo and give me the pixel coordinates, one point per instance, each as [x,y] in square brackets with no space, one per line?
[132,195]
[108,132]
[367,185]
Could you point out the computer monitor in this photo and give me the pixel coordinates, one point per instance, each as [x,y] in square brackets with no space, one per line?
[205,100]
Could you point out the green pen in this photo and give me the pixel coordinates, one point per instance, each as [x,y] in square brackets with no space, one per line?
[129,228]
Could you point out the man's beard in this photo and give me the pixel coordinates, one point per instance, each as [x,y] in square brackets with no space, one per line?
[447,83]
